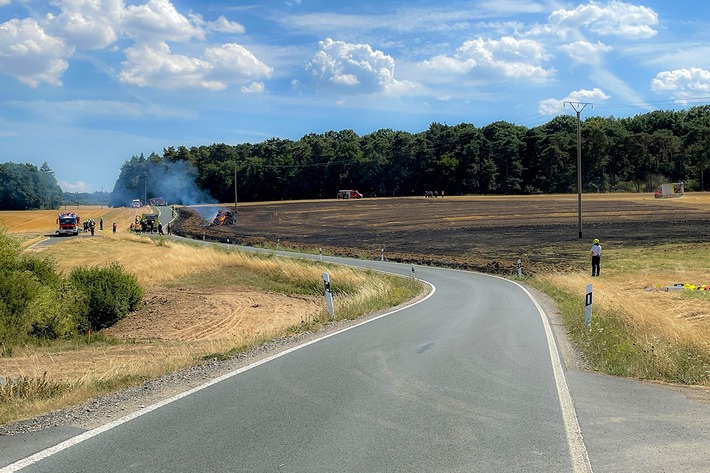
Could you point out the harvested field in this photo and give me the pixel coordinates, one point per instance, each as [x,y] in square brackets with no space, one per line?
[480,233]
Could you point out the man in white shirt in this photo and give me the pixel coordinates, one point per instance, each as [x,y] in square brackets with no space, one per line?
[596,257]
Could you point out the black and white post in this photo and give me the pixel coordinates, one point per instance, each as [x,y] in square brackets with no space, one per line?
[328,295]
[588,307]
[520,268]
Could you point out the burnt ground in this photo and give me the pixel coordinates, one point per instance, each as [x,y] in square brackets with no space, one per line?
[485,234]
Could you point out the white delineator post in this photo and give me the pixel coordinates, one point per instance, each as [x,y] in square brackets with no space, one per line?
[328,295]
[588,307]
[520,268]
[382,254]
[320,254]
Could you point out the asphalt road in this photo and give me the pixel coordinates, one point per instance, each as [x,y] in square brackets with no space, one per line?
[464,381]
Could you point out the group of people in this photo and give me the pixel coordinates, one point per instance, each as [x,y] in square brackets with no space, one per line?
[143,225]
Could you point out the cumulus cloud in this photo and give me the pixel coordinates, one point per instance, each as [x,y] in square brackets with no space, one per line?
[253,88]
[683,84]
[236,62]
[355,68]
[584,52]
[555,106]
[147,66]
[86,23]
[156,66]
[508,57]
[224,25]
[612,19]
[31,55]
[158,19]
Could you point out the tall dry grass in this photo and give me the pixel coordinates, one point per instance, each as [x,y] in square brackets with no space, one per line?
[667,333]
[93,369]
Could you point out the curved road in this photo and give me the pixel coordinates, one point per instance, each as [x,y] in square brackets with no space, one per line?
[467,380]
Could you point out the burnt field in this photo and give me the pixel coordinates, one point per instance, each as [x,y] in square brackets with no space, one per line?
[485,234]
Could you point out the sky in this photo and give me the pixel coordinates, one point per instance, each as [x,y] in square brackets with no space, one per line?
[87,84]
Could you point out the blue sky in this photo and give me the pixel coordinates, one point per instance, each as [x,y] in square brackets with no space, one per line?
[86,84]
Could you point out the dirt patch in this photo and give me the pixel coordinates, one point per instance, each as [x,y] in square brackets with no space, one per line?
[173,327]
[191,314]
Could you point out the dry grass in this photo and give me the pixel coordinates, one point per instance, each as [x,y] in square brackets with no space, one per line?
[665,325]
[74,371]
[30,223]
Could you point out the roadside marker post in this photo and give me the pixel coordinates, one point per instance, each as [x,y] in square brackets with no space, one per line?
[520,268]
[382,254]
[328,295]
[414,274]
[320,254]
[588,307]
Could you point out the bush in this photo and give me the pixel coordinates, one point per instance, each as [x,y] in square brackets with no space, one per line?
[35,301]
[111,293]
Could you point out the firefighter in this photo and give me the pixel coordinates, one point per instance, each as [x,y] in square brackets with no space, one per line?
[596,255]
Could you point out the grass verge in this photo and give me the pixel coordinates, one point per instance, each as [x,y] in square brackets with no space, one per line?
[101,365]
[639,329]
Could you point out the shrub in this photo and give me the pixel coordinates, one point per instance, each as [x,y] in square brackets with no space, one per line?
[111,293]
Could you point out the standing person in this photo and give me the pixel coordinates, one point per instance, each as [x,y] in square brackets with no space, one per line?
[596,255]
[114,227]
[101,224]
[160,228]
[169,230]
[92,225]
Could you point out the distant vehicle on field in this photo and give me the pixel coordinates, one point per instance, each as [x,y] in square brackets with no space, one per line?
[349,194]
[136,204]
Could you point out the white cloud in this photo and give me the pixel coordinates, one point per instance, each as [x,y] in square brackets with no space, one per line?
[5,2]
[253,88]
[612,19]
[88,24]
[149,66]
[224,25]
[508,57]
[30,55]
[78,186]
[355,68]
[233,62]
[556,106]
[683,84]
[158,19]
[584,52]
[68,111]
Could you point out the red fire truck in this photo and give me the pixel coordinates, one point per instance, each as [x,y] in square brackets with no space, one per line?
[68,223]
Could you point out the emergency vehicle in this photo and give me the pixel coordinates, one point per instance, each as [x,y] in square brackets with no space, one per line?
[68,223]
[349,194]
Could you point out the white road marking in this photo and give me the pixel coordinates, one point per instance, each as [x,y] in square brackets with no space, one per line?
[578,451]
[44,454]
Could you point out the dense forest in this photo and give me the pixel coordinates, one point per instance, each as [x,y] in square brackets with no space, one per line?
[626,154]
[26,187]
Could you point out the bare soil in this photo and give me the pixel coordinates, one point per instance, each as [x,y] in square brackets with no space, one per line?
[485,234]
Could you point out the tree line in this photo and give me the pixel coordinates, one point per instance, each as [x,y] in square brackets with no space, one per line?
[618,154]
[27,187]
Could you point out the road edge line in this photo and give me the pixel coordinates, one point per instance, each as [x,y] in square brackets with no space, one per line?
[48,452]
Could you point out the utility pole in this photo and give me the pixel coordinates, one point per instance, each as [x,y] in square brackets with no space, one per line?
[578,107]
[235,188]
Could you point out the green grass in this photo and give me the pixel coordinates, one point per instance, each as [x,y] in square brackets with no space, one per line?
[612,347]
